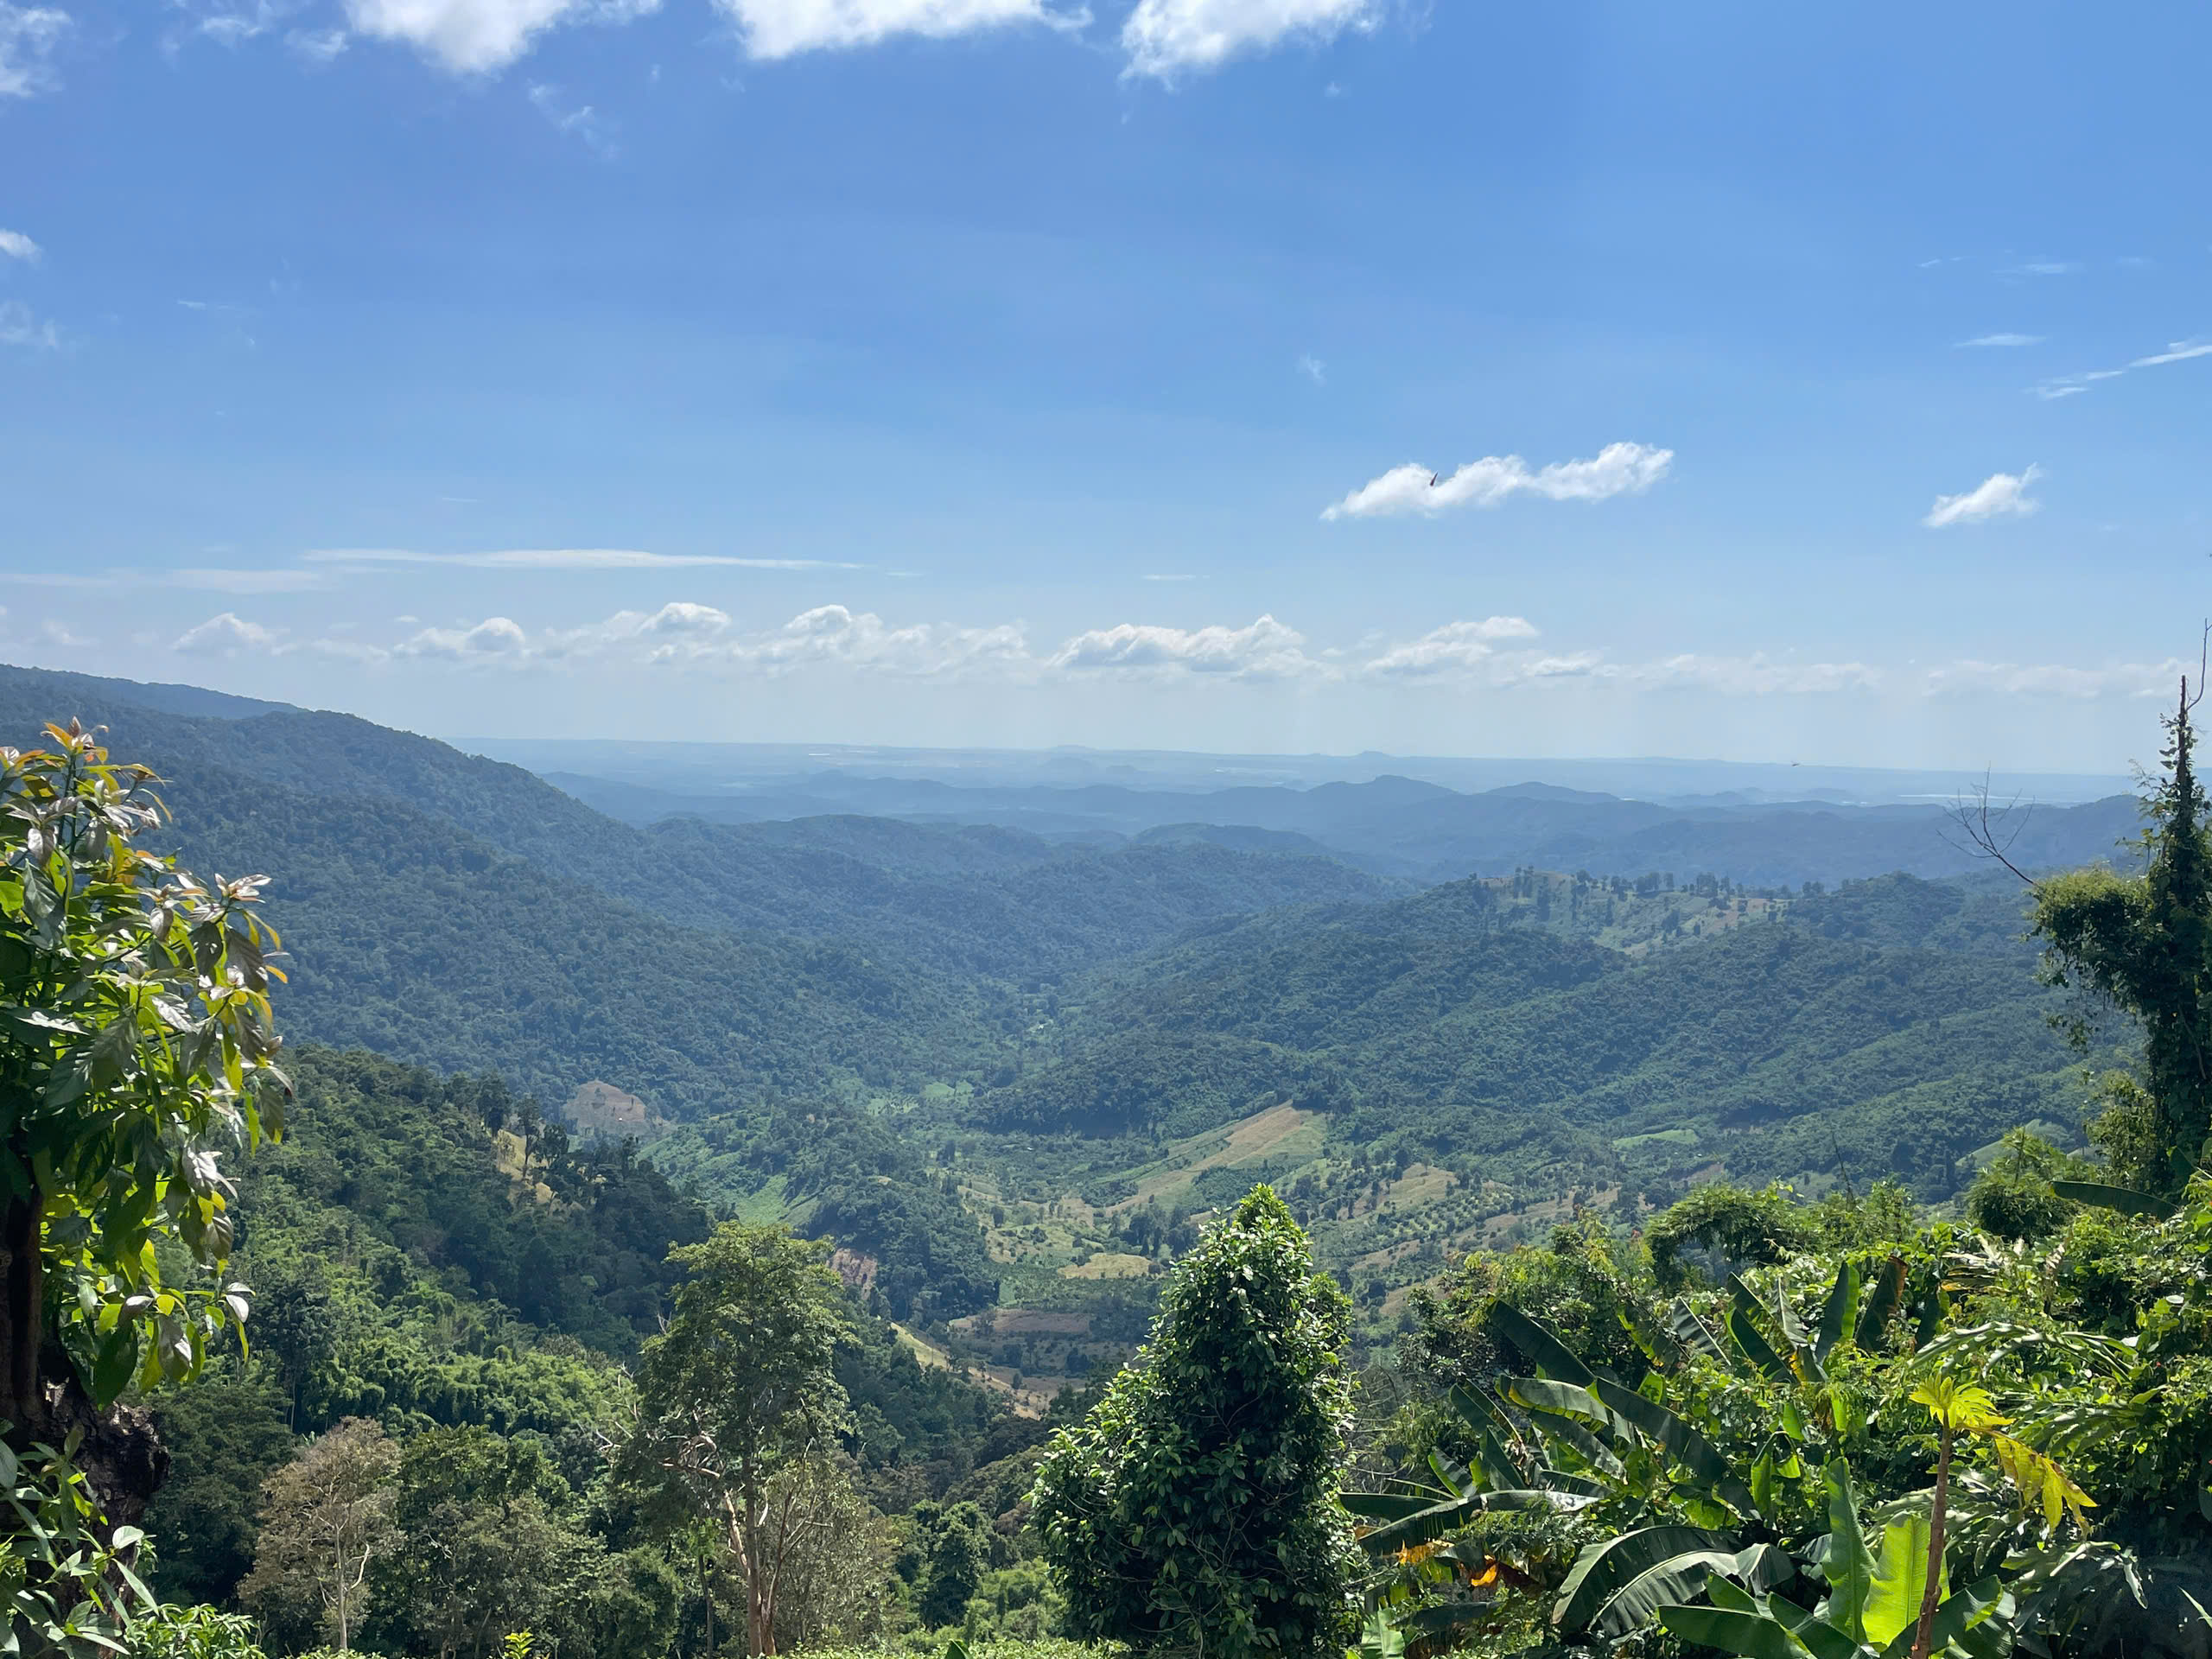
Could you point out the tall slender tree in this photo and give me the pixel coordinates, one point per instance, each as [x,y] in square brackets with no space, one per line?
[2144,943]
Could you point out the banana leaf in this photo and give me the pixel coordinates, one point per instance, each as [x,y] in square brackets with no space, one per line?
[1754,1636]
[1692,1334]
[1585,1445]
[1682,1443]
[1427,1525]
[1839,1314]
[2099,1195]
[1850,1564]
[1601,1569]
[1981,1611]
[1387,1506]
[1756,1347]
[1881,1304]
[1538,1346]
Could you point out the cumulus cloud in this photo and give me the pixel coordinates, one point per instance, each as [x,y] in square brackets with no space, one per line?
[29,38]
[1618,469]
[496,638]
[14,244]
[563,558]
[1264,650]
[783,29]
[1455,647]
[479,37]
[1165,38]
[2000,495]
[225,635]
[834,634]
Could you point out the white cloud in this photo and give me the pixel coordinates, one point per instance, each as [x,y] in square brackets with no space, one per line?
[19,328]
[495,639]
[1170,575]
[318,46]
[1999,494]
[1313,369]
[14,244]
[581,122]
[2180,351]
[225,635]
[683,617]
[479,37]
[782,28]
[1165,38]
[1265,649]
[1455,647]
[30,37]
[563,558]
[2055,680]
[2001,339]
[833,634]
[1618,469]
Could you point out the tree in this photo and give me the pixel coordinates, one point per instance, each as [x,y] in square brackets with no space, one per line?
[136,1046]
[2143,943]
[1195,1507]
[956,1551]
[326,1518]
[739,1388]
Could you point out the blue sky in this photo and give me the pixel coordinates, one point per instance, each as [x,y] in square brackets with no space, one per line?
[1796,383]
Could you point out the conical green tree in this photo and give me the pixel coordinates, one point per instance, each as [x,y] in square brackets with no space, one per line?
[2143,943]
[1196,1508]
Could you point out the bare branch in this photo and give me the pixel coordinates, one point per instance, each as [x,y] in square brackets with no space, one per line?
[1987,831]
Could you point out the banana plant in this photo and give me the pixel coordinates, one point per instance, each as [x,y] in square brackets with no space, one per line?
[1880,1602]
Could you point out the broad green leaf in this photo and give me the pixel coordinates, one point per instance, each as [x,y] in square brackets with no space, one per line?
[1850,1566]
[1839,1314]
[1692,1333]
[1900,1579]
[1388,1506]
[1881,1304]
[1538,1346]
[1683,1444]
[1984,1604]
[1755,1346]
[1586,1445]
[2099,1195]
[1751,1635]
[1601,1569]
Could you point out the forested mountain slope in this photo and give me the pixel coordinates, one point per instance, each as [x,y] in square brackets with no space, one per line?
[1896,1025]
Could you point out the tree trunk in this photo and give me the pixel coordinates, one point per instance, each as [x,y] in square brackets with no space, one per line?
[22,1295]
[1923,1637]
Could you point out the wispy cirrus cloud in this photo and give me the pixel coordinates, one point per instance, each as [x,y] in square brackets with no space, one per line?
[578,121]
[2000,495]
[1618,469]
[30,38]
[1167,38]
[21,326]
[2072,385]
[2000,342]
